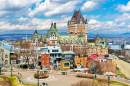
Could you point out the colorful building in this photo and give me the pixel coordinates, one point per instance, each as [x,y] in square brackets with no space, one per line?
[80,62]
[65,65]
[45,60]
[91,59]
[99,47]
[69,56]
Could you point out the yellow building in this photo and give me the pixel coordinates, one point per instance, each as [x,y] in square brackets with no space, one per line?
[64,65]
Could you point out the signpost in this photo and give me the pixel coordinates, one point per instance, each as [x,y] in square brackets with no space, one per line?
[108,80]
[11,70]
[0,70]
[95,71]
[38,77]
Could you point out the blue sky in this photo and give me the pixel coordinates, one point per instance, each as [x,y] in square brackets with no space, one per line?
[104,16]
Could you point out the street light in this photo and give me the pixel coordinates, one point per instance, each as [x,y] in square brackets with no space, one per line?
[108,80]
[95,71]
[38,77]
[0,70]
[11,70]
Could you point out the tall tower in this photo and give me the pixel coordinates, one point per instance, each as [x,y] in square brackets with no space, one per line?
[77,24]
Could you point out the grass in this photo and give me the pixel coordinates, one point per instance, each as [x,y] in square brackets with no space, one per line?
[1,79]
[101,80]
[121,74]
[15,82]
[118,83]
[111,82]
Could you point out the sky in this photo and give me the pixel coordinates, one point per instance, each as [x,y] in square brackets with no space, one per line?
[104,16]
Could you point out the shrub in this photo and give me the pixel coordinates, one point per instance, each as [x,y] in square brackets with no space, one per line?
[88,83]
[41,75]
[85,76]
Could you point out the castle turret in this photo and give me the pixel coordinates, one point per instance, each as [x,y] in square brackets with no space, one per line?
[76,25]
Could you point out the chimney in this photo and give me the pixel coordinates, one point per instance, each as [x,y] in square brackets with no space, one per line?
[55,25]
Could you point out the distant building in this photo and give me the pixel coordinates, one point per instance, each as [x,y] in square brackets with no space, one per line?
[114,46]
[126,45]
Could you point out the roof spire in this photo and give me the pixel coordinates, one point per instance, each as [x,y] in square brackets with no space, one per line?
[81,34]
[86,21]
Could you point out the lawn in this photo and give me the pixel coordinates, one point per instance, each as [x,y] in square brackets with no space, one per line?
[111,82]
[15,82]
[121,74]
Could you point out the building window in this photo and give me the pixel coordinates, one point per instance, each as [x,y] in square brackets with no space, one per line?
[54,50]
[6,61]
[6,56]
[42,61]
[66,64]
[47,61]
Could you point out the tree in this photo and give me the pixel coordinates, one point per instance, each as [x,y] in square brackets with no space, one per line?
[25,52]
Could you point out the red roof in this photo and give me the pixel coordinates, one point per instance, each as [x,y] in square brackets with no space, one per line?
[94,56]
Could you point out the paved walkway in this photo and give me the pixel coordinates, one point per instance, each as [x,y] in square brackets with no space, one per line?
[123,66]
[56,80]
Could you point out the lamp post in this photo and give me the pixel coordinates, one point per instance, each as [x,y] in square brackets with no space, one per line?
[95,71]
[38,77]
[0,70]
[11,70]
[108,80]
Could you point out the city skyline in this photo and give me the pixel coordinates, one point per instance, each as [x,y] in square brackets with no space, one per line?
[104,16]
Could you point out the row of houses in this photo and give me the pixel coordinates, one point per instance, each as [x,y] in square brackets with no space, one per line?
[53,56]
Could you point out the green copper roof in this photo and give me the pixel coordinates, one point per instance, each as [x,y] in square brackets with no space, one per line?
[26,37]
[97,37]
[35,35]
[92,45]
[43,38]
[81,34]
[103,39]
[70,39]
[51,30]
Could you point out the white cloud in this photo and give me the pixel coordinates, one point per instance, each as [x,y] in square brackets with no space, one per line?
[123,8]
[120,24]
[14,7]
[49,8]
[89,6]
[32,24]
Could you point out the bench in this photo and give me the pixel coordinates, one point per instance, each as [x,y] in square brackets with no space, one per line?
[19,74]
[44,84]
[46,72]
[17,77]
[20,81]
[64,73]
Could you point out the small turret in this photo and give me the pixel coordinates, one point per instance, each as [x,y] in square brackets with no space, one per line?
[86,21]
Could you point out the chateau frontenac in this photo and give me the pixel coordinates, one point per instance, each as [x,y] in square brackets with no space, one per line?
[77,29]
